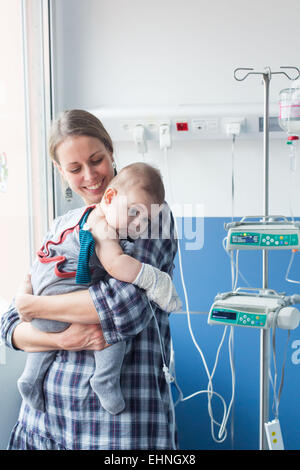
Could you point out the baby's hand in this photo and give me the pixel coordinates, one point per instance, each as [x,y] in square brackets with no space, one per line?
[95,216]
[99,226]
[103,231]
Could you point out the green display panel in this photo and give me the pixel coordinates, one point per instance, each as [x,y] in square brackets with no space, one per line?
[264,239]
[237,318]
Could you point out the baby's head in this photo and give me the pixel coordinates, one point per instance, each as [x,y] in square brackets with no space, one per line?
[133,198]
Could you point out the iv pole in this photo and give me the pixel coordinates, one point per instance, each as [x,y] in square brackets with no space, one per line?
[265,334]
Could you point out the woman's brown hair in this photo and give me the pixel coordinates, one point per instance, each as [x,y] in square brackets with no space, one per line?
[77,122]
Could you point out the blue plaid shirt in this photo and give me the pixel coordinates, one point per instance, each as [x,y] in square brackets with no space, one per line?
[74,418]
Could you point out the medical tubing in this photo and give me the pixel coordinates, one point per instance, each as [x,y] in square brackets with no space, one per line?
[232,263]
[209,390]
[292,173]
[277,396]
[210,387]
[226,414]
[237,270]
[169,378]
[292,153]
[283,369]
[289,268]
[232,175]
[231,336]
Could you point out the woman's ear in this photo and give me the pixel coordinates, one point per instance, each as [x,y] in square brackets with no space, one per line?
[63,180]
[57,165]
[109,194]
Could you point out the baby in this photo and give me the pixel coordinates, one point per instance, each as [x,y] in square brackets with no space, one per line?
[69,261]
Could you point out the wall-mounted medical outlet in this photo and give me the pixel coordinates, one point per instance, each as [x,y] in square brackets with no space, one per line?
[199,125]
[151,126]
[164,136]
[205,126]
[233,125]
[190,122]
[139,138]
[182,126]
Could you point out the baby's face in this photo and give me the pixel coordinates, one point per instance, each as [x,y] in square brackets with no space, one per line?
[130,214]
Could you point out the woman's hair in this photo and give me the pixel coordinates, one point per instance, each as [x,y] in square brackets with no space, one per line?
[76,122]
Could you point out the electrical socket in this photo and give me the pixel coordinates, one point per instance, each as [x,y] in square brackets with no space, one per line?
[199,125]
[233,125]
[151,126]
[139,138]
[274,436]
[164,136]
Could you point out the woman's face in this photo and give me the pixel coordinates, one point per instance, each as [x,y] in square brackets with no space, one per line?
[86,165]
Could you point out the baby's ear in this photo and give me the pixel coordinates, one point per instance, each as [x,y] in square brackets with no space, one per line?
[109,194]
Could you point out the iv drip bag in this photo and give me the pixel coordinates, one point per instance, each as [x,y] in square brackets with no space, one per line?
[289,108]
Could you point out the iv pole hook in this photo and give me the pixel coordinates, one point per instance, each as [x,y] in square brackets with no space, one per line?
[290,78]
[250,71]
[244,76]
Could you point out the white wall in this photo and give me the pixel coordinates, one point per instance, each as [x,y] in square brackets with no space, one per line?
[167,52]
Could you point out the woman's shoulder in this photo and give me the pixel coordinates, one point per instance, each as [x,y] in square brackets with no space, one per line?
[67,220]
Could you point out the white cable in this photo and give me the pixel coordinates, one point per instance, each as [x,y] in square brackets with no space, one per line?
[235,272]
[169,378]
[277,395]
[222,432]
[231,337]
[288,270]
[232,176]
[292,180]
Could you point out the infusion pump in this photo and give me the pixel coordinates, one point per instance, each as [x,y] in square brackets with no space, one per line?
[260,309]
[272,234]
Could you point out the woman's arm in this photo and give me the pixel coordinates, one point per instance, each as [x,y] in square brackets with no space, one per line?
[123,308]
[76,338]
[22,335]
[73,307]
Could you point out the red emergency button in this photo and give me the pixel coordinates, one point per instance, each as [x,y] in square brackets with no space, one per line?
[182,126]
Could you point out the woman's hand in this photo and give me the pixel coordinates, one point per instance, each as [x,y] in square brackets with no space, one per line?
[24,300]
[79,337]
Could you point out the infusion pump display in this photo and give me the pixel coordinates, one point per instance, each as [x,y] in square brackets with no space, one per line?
[237,318]
[262,238]
[255,308]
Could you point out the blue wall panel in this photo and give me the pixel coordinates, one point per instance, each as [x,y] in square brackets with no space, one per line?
[207,272]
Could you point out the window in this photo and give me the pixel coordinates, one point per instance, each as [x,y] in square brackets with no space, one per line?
[25,180]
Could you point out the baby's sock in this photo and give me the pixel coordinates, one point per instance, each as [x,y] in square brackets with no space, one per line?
[110,397]
[30,384]
[32,394]
[106,379]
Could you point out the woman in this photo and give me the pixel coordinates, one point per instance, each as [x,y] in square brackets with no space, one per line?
[108,312]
